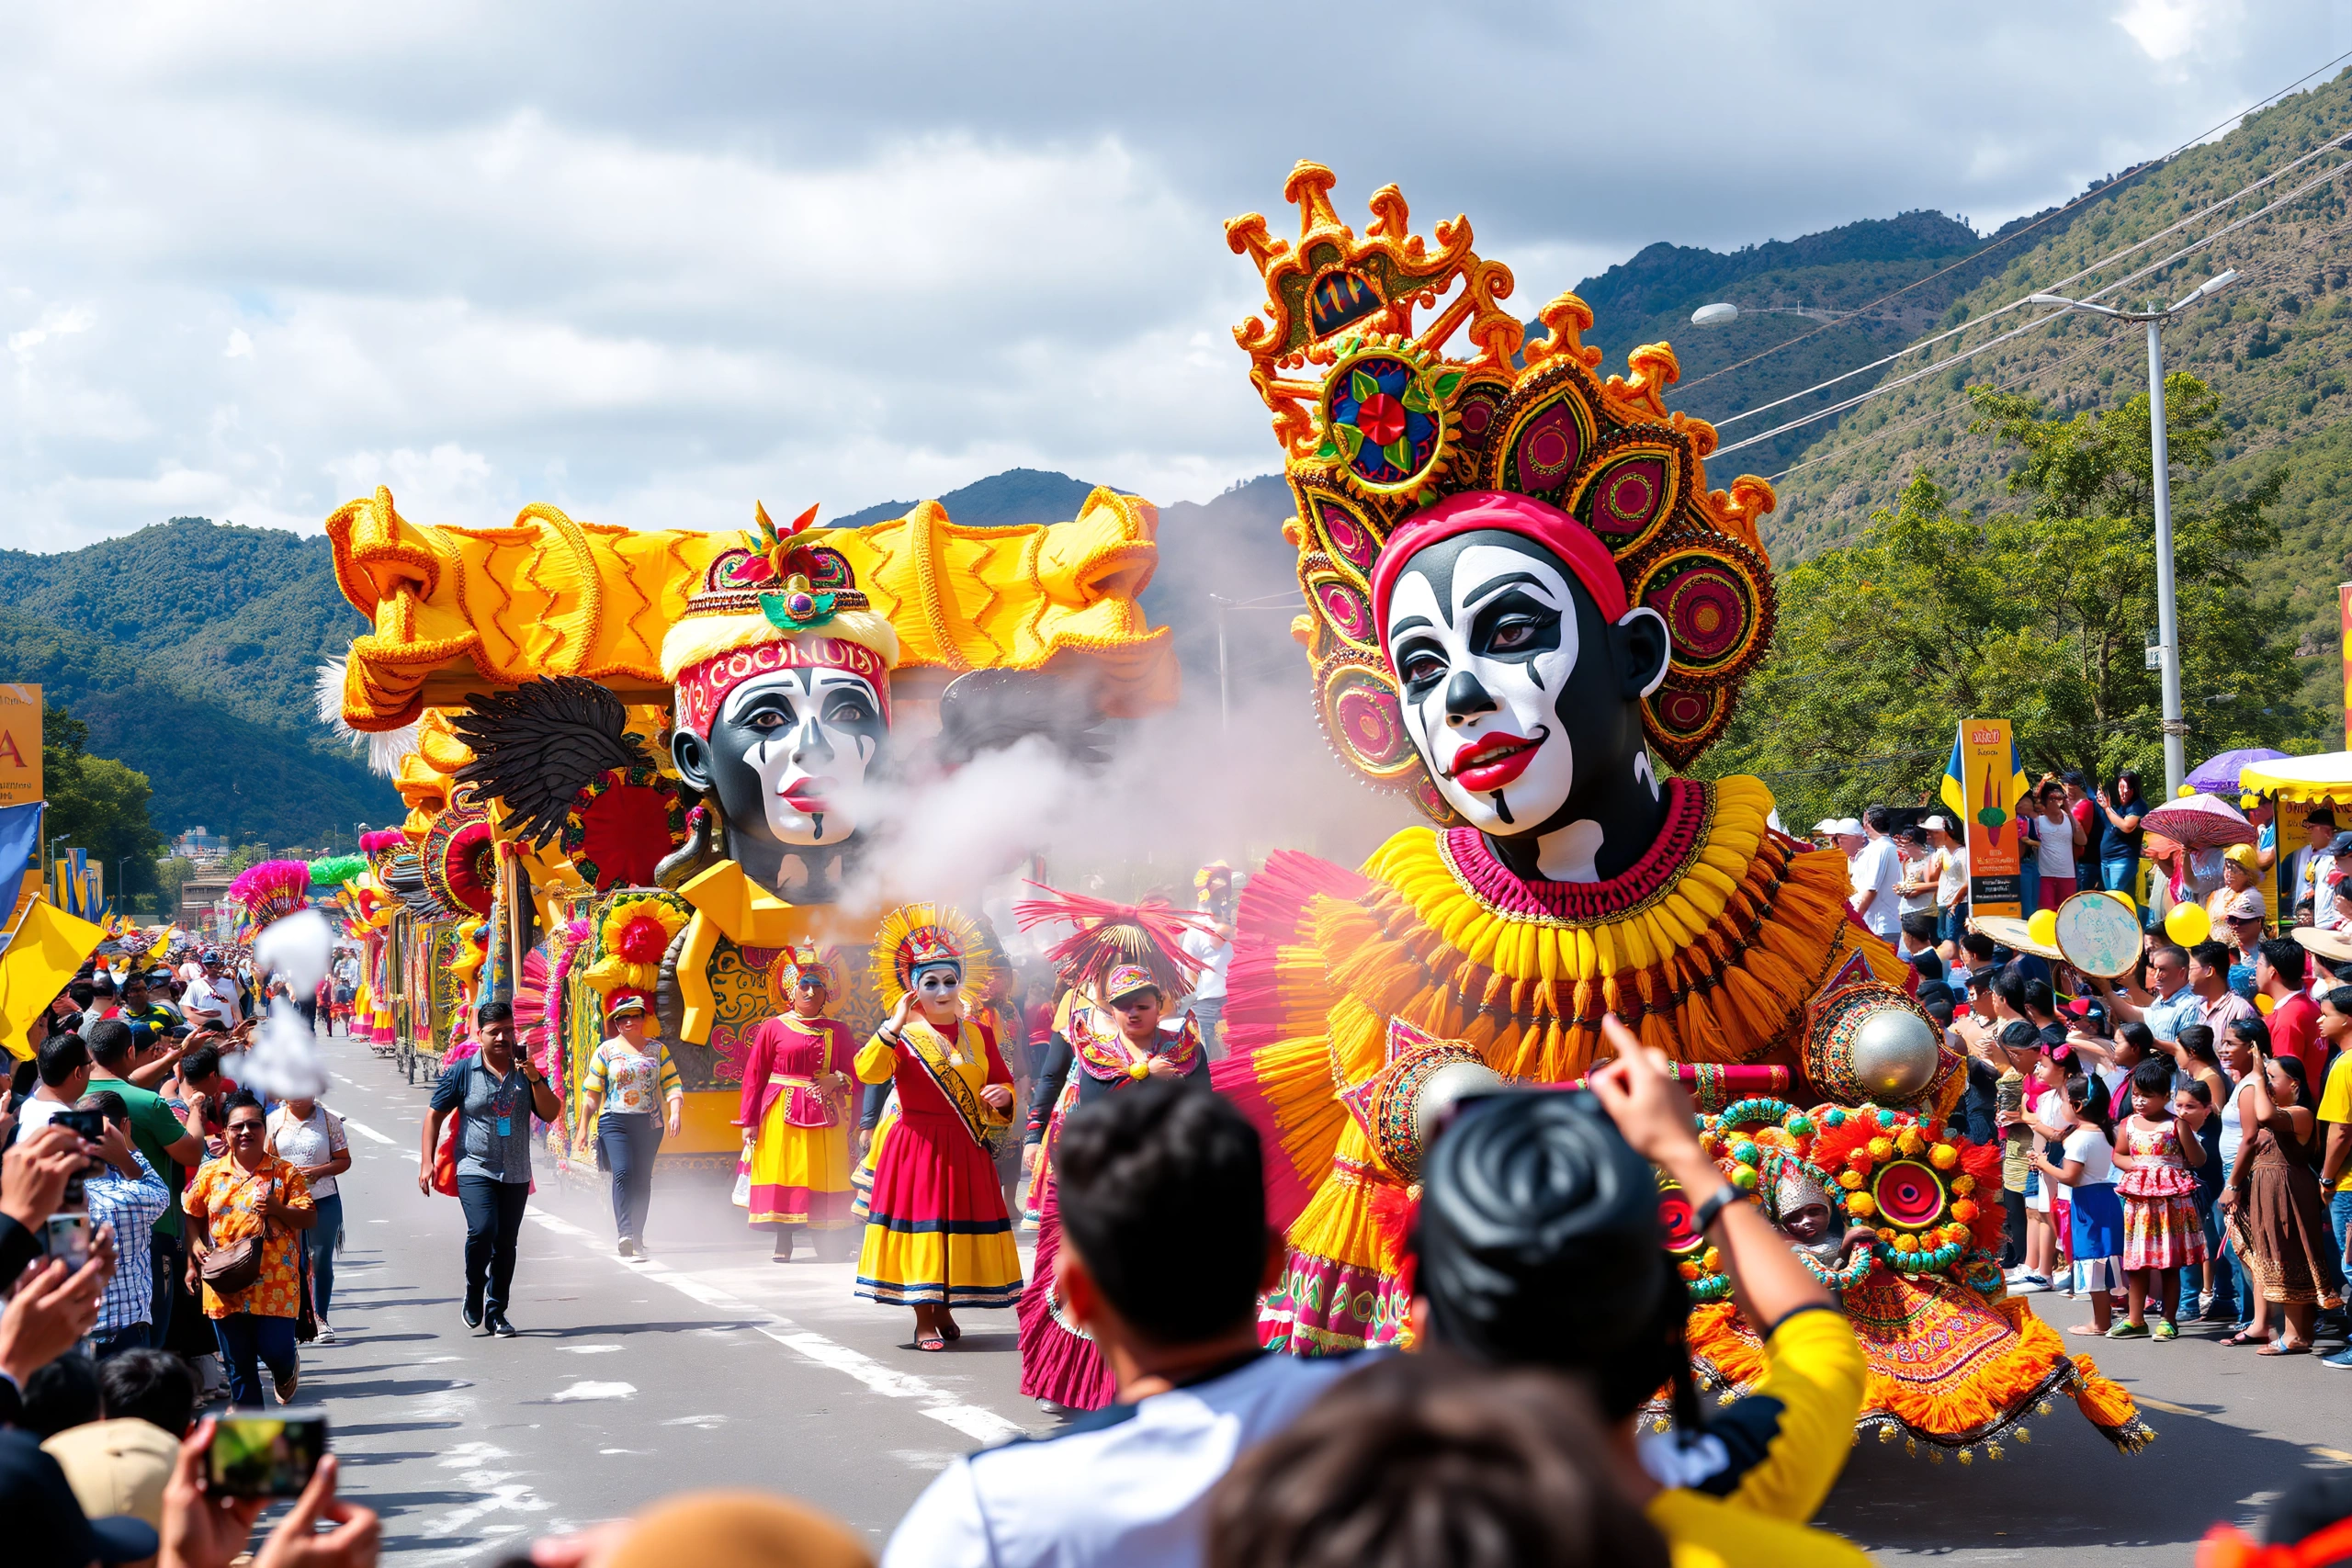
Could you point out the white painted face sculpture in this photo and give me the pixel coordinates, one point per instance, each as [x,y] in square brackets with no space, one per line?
[1521,700]
[811,736]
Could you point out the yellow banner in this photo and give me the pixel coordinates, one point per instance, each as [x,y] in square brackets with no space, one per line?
[19,745]
[48,947]
[1991,783]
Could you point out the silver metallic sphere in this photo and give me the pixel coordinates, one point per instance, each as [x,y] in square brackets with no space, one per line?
[1895,1054]
[1446,1088]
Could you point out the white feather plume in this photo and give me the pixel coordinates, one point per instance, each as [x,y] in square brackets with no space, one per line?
[386,752]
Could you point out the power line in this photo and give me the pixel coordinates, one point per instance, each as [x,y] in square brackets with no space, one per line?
[2333,144]
[2259,274]
[2108,189]
[1901,382]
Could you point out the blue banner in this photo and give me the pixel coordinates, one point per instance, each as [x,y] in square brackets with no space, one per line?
[20,837]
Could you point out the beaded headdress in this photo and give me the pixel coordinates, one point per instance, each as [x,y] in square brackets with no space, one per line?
[1105,938]
[1378,423]
[778,601]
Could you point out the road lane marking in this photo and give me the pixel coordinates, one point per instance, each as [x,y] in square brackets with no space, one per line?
[974,1421]
[592,1391]
[364,1130]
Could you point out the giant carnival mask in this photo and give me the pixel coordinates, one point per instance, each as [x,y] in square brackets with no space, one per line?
[1520,674]
[1519,587]
[783,676]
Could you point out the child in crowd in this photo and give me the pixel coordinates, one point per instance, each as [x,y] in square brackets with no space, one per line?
[2047,1116]
[2098,1220]
[2013,1052]
[2162,1230]
[2192,1110]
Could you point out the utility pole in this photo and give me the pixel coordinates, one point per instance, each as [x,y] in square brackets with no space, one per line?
[2176,729]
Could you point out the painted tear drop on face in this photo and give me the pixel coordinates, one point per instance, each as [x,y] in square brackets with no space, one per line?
[1483,655]
[811,736]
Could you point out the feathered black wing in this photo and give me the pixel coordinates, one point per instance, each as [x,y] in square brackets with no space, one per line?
[988,710]
[538,745]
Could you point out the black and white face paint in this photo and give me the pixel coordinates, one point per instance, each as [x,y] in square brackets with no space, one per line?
[811,736]
[1523,701]
[1483,653]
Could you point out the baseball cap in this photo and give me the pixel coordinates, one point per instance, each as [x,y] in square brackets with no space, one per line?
[1852,827]
[1937,825]
[46,1521]
[2245,905]
[119,1466]
[2086,1008]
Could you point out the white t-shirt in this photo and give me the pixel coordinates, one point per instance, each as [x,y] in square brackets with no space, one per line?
[1878,868]
[2233,1134]
[309,1143]
[2090,1145]
[1919,869]
[36,1113]
[1206,947]
[1125,1487]
[2056,844]
[1951,875]
[216,998]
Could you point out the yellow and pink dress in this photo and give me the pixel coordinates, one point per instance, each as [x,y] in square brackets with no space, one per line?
[936,1229]
[800,1148]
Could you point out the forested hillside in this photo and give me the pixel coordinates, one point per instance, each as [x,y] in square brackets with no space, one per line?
[188,649]
[2273,348]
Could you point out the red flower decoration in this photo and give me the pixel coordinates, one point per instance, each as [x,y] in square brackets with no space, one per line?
[1381,418]
[643,940]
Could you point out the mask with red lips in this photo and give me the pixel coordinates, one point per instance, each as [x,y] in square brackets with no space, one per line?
[1524,702]
[794,750]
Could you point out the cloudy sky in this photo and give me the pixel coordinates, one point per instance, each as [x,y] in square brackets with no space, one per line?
[649,262]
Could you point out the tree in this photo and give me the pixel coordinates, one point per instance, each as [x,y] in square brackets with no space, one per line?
[96,805]
[246,856]
[171,876]
[1933,615]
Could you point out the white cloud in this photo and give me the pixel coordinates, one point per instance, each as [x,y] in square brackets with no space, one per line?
[648,265]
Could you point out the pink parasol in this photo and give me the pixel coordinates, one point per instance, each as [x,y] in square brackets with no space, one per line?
[2201,822]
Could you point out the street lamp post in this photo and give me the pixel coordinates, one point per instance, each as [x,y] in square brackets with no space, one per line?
[2167,626]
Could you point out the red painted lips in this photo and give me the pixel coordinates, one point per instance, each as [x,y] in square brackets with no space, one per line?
[1493,761]
[808,796]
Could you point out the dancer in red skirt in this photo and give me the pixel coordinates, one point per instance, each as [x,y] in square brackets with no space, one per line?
[1130,957]
[937,1236]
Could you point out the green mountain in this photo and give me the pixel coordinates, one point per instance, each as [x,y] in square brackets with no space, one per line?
[2273,346]
[189,649]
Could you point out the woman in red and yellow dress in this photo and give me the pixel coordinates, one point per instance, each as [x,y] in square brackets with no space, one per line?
[937,1234]
[795,1113]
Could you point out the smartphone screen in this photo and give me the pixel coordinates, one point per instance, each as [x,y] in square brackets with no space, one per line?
[68,1237]
[265,1456]
[91,1125]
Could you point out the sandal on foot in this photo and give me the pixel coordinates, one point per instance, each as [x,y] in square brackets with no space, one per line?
[2285,1348]
[2245,1339]
[2092,1328]
[934,1340]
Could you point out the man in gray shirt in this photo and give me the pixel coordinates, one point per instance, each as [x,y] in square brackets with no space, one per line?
[496,1094]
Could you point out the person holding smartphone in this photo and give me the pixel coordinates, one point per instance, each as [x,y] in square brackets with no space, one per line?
[497,1091]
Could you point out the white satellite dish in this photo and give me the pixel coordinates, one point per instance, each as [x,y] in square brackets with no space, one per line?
[1713,315]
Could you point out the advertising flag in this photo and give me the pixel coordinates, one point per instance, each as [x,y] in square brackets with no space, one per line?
[1984,784]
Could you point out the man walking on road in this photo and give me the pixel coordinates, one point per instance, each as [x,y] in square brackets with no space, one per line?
[494,1093]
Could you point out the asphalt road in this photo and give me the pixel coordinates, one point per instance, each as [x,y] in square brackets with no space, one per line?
[707,1365]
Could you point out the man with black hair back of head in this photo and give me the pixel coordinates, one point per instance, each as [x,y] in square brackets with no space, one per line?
[64,1062]
[1538,1244]
[171,1142]
[1166,1248]
[120,1464]
[497,1091]
[1425,1459]
[124,1192]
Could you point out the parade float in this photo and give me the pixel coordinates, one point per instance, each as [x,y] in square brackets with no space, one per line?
[656,761]
[1527,612]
